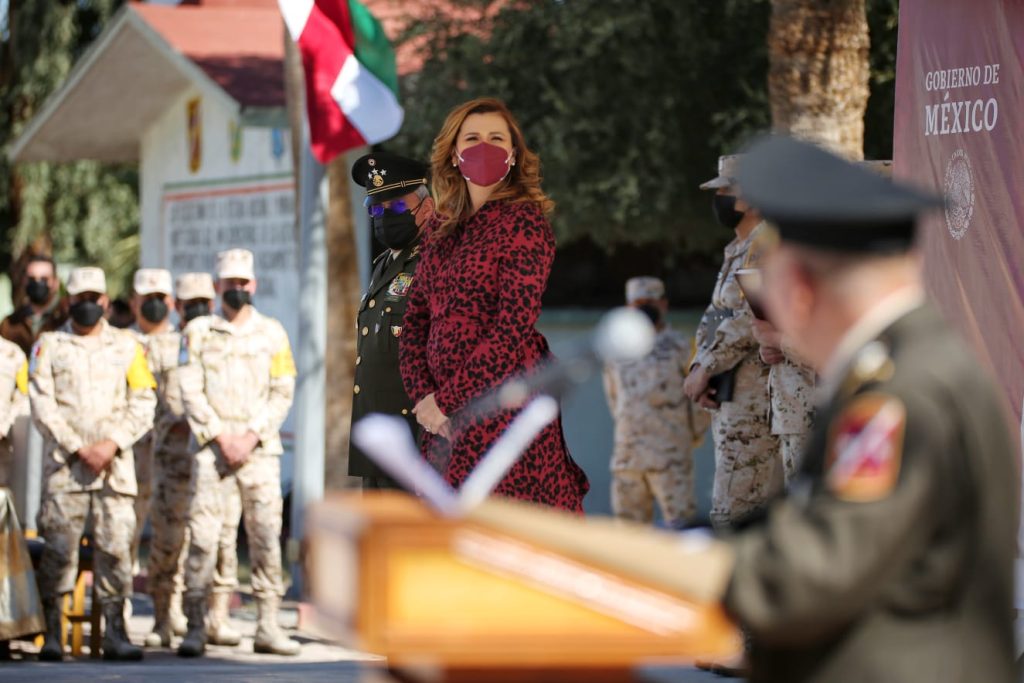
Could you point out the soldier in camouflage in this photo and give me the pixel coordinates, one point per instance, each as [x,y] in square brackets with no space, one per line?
[791,384]
[748,467]
[92,398]
[162,456]
[656,426]
[237,381]
[13,400]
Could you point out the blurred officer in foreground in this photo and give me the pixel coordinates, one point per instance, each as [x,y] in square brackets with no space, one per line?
[237,382]
[892,557]
[727,375]
[13,400]
[656,425]
[92,399]
[399,204]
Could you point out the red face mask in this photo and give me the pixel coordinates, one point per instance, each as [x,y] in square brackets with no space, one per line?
[484,164]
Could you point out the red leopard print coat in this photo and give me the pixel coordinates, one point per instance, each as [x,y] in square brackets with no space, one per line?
[469,326]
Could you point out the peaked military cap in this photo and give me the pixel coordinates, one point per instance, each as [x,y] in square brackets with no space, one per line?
[820,200]
[386,176]
[726,177]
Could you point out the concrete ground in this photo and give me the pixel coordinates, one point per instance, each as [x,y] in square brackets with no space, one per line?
[321,659]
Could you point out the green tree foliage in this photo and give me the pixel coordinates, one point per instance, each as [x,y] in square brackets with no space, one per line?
[88,210]
[628,103]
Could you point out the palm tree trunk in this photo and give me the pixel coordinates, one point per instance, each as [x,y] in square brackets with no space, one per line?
[342,304]
[818,78]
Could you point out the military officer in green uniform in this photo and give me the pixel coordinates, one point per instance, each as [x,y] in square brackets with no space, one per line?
[891,558]
[399,204]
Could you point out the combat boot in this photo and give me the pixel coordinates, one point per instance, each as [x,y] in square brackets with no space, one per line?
[269,637]
[218,623]
[115,639]
[194,644]
[161,634]
[179,624]
[52,650]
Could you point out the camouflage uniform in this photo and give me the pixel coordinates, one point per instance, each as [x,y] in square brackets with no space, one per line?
[791,388]
[235,379]
[748,467]
[172,469]
[656,428]
[85,389]
[13,402]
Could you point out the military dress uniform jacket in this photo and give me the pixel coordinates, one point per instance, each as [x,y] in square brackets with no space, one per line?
[84,389]
[378,381]
[892,558]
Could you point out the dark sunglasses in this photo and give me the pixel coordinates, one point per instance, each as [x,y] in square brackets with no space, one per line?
[377,210]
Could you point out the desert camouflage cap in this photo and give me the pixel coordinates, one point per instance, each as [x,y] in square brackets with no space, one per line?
[152,281]
[645,287]
[195,286]
[235,263]
[87,279]
[727,167]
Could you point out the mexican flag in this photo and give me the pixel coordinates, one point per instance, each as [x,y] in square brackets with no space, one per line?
[351,81]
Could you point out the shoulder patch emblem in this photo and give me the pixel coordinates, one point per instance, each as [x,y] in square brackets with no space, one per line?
[865,448]
[400,285]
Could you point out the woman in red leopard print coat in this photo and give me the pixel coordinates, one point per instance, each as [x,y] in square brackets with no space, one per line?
[469,321]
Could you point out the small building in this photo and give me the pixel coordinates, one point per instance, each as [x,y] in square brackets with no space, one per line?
[195,95]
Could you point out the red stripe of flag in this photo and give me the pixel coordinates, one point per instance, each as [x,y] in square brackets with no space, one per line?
[326,42]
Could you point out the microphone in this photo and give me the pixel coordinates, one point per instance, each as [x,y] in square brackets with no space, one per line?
[389,443]
[622,334]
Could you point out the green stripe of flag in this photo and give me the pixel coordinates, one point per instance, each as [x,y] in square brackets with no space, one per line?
[373,49]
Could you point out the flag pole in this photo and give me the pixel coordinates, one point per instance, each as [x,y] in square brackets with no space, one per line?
[311,345]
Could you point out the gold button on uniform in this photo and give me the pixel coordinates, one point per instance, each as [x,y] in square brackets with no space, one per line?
[387,310]
[366,331]
[372,303]
[356,389]
[405,411]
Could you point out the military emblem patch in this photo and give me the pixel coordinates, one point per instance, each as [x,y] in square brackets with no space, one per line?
[400,285]
[865,448]
[396,330]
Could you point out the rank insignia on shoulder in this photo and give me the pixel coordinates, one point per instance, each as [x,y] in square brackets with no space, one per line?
[865,448]
[400,285]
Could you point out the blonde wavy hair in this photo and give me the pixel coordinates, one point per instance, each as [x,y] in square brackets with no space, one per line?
[451,194]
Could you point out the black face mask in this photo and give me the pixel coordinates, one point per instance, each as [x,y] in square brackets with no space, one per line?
[86,313]
[154,310]
[651,311]
[724,208]
[395,230]
[194,309]
[38,291]
[236,298]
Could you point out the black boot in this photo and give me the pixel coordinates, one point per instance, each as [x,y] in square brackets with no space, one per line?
[194,644]
[52,650]
[115,639]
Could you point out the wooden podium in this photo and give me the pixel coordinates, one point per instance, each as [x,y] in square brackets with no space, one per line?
[513,591]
